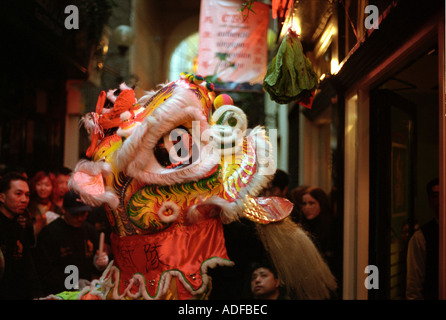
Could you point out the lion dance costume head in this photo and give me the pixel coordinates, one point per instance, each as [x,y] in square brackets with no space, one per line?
[171,168]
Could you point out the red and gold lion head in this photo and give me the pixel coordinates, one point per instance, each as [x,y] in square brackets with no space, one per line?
[171,168]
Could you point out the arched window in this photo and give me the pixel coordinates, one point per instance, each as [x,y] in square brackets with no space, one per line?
[184,57]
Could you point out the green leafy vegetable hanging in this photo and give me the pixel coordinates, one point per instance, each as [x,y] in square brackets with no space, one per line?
[290,76]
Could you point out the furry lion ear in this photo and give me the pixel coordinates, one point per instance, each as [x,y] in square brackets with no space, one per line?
[101,102]
[297,260]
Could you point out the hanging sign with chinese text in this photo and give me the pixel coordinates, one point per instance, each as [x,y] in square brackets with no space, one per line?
[233,51]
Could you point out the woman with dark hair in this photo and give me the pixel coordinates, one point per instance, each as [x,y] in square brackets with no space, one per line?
[317,220]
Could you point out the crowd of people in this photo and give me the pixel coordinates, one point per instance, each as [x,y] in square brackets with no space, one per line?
[254,275]
[314,211]
[44,228]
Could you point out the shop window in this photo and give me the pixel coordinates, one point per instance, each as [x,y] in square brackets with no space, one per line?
[184,57]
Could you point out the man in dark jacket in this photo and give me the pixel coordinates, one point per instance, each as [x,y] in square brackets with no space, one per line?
[18,278]
[67,246]
[422,253]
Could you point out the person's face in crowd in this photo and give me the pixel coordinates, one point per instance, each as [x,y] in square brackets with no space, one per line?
[62,183]
[16,199]
[263,284]
[434,199]
[44,188]
[310,206]
[76,219]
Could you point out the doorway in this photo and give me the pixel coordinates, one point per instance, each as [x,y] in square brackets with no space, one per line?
[404,153]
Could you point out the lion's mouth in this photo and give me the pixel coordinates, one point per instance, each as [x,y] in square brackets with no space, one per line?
[169,147]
